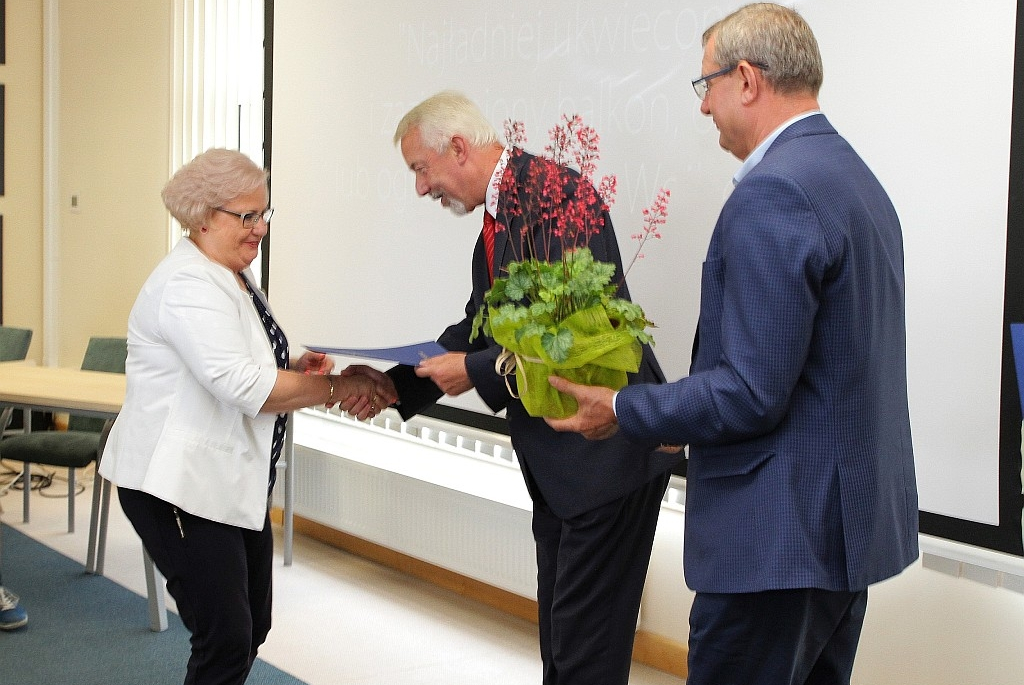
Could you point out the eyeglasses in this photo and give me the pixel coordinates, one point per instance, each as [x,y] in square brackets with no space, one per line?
[250,219]
[701,85]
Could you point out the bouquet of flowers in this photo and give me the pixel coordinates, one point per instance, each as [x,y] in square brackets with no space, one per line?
[562,315]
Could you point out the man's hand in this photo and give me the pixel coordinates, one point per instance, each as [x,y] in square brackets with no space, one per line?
[448,371]
[595,418]
[384,390]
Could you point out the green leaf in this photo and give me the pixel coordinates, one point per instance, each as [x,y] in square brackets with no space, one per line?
[541,311]
[496,295]
[537,296]
[478,324]
[530,329]
[557,344]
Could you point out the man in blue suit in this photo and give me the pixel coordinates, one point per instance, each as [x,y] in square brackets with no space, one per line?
[800,483]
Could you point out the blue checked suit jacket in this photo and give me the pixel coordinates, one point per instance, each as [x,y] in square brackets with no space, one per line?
[801,469]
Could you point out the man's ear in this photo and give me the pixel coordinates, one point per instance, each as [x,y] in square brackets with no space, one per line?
[460,147]
[751,81]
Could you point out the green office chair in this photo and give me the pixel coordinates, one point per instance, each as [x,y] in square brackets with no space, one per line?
[82,442]
[14,343]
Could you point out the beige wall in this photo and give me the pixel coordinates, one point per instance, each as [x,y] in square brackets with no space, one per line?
[22,203]
[114,133]
[111,117]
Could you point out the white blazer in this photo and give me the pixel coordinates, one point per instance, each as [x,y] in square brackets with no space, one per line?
[199,368]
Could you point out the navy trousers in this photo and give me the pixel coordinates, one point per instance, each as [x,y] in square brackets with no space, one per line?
[780,637]
[220,578]
[590,578]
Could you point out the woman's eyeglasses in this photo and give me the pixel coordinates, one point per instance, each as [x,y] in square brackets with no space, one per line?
[250,219]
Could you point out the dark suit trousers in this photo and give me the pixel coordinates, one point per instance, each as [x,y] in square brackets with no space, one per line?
[220,578]
[780,637]
[590,577]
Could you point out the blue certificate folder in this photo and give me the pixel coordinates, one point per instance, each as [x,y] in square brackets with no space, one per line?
[410,355]
[1017,337]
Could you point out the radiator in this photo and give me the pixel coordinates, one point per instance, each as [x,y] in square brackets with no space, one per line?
[445,494]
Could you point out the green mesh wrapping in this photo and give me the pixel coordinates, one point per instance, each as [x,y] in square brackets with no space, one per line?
[600,355]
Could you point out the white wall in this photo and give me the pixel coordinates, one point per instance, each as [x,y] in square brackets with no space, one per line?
[890,87]
[922,628]
[938,143]
[926,628]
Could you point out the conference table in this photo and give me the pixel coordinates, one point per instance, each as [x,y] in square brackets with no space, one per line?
[41,388]
[100,394]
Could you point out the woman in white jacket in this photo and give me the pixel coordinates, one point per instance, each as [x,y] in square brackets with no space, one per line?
[209,383]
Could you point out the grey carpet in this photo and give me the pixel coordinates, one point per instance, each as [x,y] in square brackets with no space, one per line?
[88,629]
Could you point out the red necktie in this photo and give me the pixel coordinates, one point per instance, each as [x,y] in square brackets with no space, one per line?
[489,243]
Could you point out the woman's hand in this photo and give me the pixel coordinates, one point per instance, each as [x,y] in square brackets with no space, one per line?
[315,363]
[364,405]
[354,395]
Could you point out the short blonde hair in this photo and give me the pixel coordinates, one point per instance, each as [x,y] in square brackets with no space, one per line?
[213,179]
[444,115]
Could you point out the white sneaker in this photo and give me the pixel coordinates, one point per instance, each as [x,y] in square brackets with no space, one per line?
[12,615]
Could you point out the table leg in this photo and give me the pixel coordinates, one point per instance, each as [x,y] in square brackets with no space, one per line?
[289,489]
[155,592]
[26,471]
